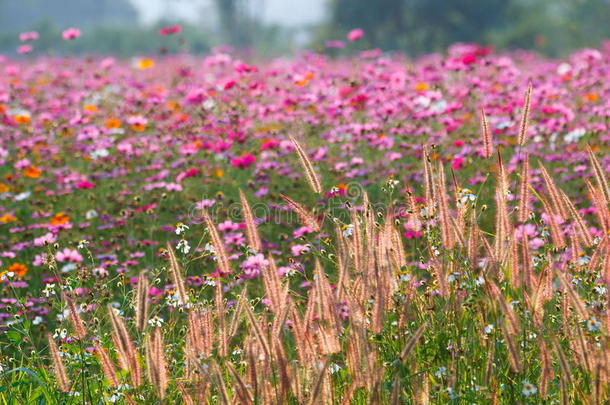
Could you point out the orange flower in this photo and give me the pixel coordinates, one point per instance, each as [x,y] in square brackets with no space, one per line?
[113,123]
[4,188]
[19,269]
[173,105]
[90,108]
[145,63]
[59,219]
[32,172]
[22,119]
[6,218]
[305,80]
[421,86]
[138,127]
[219,173]
[591,97]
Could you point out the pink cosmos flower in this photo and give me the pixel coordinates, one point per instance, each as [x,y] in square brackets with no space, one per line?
[253,265]
[298,250]
[39,260]
[304,230]
[335,44]
[107,63]
[47,238]
[234,238]
[199,205]
[137,120]
[71,33]
[228,226]
[68,255]
[28,36]
[355,34]
[23,49]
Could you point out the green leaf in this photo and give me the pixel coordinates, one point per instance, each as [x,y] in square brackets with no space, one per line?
[27,371]
[13,336]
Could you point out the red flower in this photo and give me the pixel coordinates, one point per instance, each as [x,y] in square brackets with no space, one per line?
[174,29]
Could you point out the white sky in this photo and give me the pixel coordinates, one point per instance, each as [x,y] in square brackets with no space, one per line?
[286,12]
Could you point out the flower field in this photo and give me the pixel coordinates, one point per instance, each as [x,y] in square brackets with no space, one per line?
[311,230]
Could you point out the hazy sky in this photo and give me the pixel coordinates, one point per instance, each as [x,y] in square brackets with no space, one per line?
[285,12]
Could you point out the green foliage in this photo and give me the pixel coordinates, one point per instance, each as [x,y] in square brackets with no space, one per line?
[124,40]
[418,26]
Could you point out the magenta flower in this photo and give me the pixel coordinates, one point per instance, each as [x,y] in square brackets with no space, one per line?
[244,161]
[355,34]
[85,185]
[71,33]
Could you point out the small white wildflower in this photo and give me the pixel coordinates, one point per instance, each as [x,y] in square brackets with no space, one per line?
[116,397]
[63,315]
[593,325]
[99,153]
[442,370]
[451,393]
[392,184]
[183,246]
[37,320]
[23,196]
[488,328]
[348,231]
[529,388]
[172,300]
[209,248]
[208,104]
[82,244]
[465,196]
[61,333]
[156,321]
[334,368]
[49,290]
[68,267]
[91,214]
[181,228]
